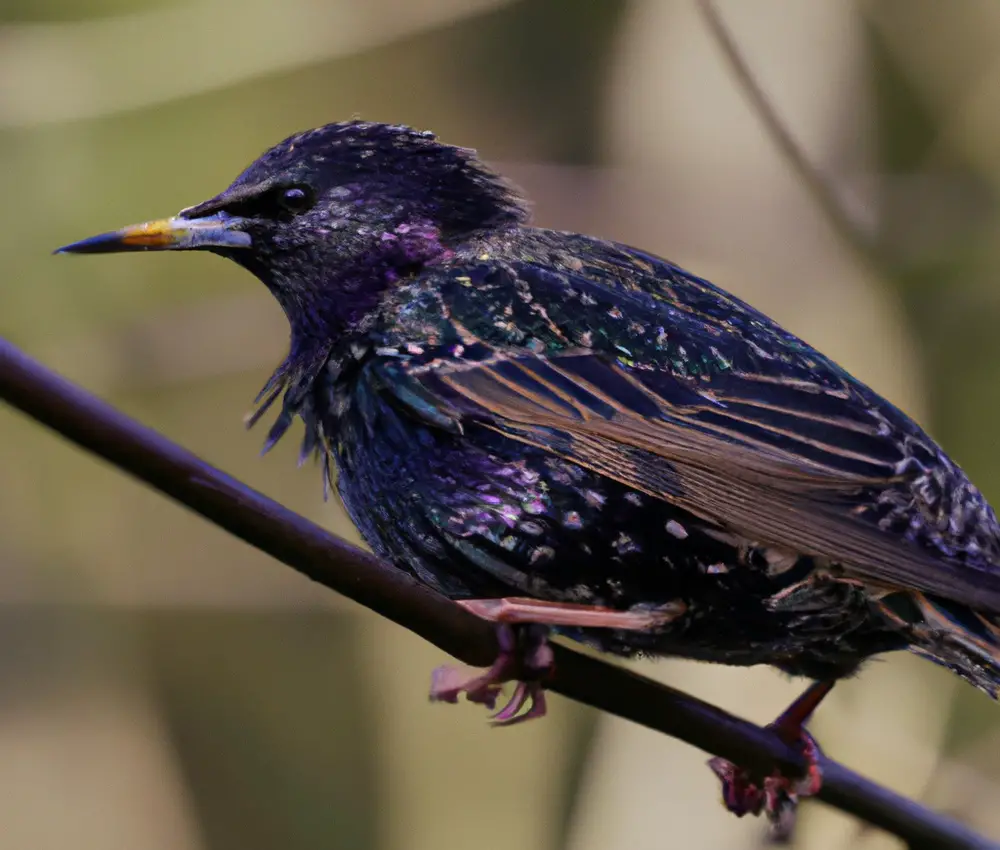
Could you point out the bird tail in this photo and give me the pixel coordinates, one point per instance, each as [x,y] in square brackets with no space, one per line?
[949,633]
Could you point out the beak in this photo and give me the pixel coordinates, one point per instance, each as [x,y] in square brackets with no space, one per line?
[168,234]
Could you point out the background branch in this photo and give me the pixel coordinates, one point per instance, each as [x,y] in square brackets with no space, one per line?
[862,240]
[311,550]
[823,193]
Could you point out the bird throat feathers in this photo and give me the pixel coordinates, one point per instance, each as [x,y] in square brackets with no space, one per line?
[325,301]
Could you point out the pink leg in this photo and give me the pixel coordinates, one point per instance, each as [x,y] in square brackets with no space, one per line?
[778,796]
[517,609]
[525,655]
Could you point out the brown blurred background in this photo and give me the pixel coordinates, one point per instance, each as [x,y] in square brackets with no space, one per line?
[163,686]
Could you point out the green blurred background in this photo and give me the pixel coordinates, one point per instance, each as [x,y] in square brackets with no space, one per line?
[163,686]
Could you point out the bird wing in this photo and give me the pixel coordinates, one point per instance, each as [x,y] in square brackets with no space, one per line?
[782,458]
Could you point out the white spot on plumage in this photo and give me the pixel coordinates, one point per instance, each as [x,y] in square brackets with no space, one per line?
[542,553]
[677,530]
[624,544]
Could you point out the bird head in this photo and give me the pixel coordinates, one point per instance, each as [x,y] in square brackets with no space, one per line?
[330,218]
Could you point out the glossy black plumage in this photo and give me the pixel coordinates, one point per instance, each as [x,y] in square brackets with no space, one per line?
[554,442]
[600,440]
[513,411]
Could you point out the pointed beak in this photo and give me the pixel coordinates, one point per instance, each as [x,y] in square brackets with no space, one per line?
[168,234]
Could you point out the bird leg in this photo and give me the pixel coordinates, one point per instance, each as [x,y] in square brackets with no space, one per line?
[525,655]
[778,796]
[517,609]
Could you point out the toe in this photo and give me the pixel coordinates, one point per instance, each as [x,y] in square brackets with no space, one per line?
[529,694]
[451,681]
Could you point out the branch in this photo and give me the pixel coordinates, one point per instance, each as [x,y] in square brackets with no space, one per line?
[822,190]
[316,553]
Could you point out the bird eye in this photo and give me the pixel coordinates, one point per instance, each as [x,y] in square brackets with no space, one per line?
[296,199]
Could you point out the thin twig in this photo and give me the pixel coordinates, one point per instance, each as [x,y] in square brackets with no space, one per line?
[819,187]
[100,428]
[824,194]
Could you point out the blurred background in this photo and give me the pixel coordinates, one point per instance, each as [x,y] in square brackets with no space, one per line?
[164,686]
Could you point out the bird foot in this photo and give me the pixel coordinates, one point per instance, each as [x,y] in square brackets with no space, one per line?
[777,796]
[525,656]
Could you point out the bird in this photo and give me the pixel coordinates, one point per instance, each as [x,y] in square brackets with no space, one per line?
[569,435]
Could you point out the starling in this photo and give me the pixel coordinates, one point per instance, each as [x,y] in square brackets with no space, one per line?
[565,433]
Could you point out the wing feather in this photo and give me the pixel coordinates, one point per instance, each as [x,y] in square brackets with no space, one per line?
[795,493]
[629,366]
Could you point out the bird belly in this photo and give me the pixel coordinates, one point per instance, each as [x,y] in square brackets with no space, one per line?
[485,517]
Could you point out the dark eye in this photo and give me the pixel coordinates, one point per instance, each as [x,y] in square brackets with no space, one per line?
[296,199]
[276,204]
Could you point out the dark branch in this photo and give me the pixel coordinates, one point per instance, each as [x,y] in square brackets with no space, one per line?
[822,190]
[98,427]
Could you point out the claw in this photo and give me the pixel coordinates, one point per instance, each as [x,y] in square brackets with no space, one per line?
[530,694]
[778,796]
[525,655]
